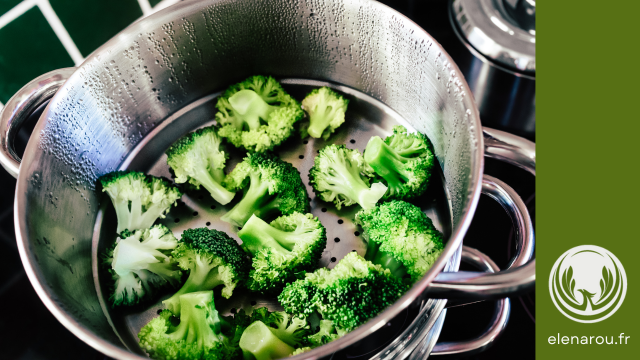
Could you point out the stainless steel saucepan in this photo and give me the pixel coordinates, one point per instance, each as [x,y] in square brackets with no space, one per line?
[158,79]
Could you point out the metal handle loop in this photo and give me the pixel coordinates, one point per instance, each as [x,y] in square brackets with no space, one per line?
[495,328]
[18,109]
[520,276]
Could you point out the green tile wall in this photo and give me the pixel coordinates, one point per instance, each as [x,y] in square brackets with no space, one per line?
[29,49]
[6,5]
[91,23]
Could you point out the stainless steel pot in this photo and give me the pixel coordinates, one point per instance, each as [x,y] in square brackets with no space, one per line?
[108,107]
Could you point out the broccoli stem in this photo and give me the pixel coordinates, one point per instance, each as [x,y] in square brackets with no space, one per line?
[250,107]
[259,343]
[386,162]
[319,120]
[217,191]
[204,276]
[255,200]
[123,215]
[195,320]
[348,182]
[257,234]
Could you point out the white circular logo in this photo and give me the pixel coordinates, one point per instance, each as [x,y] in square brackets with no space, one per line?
[588,284]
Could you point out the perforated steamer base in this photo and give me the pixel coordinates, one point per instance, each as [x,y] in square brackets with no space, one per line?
[365,118]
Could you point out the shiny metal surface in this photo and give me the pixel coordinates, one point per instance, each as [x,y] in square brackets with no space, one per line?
[500,33]
[490,335]
[159,67]
[520,276]
[18,109]
[367,117]
[504,92]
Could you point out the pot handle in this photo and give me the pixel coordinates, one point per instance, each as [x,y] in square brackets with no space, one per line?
[491,333]
[20,107]
[520,275]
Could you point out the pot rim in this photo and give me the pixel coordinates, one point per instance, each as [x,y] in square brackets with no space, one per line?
[415,293]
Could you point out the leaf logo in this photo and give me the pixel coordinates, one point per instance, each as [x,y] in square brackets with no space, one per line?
[588,284]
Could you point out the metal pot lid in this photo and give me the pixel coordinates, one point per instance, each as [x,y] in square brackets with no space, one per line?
[501,30]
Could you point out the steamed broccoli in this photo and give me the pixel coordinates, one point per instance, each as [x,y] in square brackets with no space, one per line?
[352,293]
[326,110]
[139,199]
[403,160]
[257,114]
[140,263]
[213,259]
[272,187]
[401,238]
[272,335]
[341,175]
[258,342]
[283,251]
[326,334]
[197,336]
[197,158]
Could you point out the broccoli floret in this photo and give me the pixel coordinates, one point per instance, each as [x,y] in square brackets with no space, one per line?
[341,175]
[326,334]
[258,342]
[283,251]
[271,187]
[212,259]
[403,160]
[197,158]
[401,238]
[257,114]
[326,110]
[300,351]
[139,199]
[355,291]
[197,336]
[140,263]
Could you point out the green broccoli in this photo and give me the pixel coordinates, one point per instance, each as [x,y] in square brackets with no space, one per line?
[212,259]
[258,342]
[283,251]
[197,158]
[139,199]
[326,334]
[326,110]
[257,114]
[405,162]
[341,175]
[284,330]
[140,263]
[353,292]
[401,238]
[272,187]
[197,336]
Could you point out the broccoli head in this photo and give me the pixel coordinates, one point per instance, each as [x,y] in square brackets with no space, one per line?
[271,187]
[212,259]
[404,161]
[354,291]
[272,335]
[283,251]
[139,199]
[140,263]
[401,238]
[326,334]
[197,336]
[257,114]
[197,158]
[326,110]
[340,175]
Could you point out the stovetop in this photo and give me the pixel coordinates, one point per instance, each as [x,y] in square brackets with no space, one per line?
[29,331]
